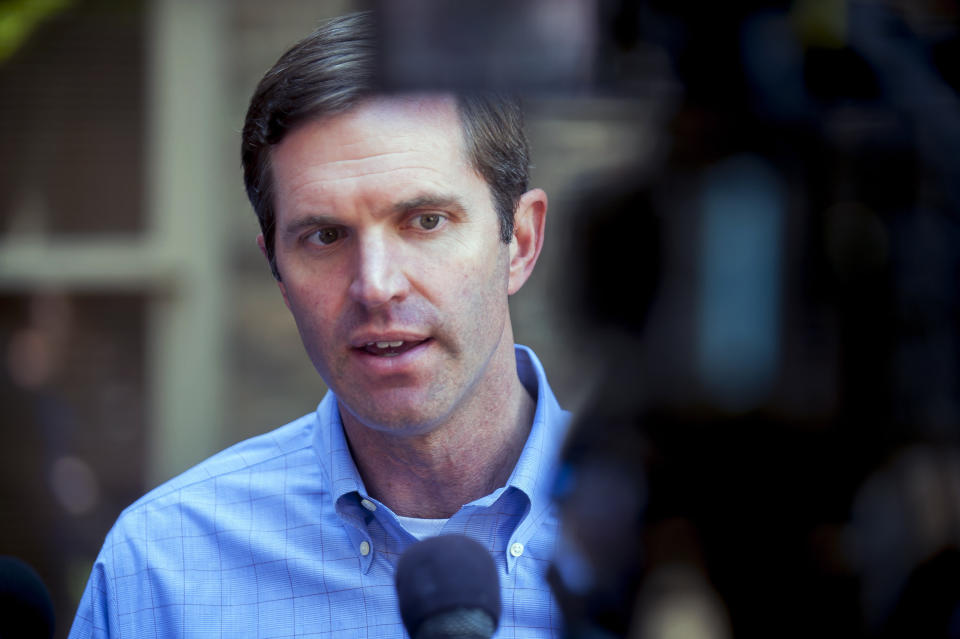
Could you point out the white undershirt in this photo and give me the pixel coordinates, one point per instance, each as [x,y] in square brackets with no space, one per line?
[422,528]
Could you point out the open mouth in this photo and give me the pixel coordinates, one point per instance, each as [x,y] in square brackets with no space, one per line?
[391,348]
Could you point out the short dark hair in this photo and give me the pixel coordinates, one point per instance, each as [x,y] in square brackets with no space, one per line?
[334,69]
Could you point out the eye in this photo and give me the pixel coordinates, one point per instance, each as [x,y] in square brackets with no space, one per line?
[326,235]
[428,221]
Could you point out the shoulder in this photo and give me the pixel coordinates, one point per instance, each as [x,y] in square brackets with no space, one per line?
[249,456]
[218,518]
[240,474]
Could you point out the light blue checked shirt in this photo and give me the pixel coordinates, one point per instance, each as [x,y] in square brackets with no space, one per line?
[277,537]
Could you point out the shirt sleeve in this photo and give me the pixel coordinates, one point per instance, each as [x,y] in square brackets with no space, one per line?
[96,617]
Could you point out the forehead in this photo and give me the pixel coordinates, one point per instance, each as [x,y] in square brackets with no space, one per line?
[386,139]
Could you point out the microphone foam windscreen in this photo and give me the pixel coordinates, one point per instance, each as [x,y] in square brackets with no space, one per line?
[443,582]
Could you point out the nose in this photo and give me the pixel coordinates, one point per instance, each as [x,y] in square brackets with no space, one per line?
[378,273]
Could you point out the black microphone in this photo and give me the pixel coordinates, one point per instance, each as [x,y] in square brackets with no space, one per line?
[448,589]
[26,609]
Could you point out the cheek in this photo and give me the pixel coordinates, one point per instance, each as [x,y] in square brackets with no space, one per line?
[480,291]
[314,287]
[462,274]
[312,308]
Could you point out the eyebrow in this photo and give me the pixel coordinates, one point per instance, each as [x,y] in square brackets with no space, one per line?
[429,201]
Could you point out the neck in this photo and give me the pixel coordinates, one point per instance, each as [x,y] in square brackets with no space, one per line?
[471,454]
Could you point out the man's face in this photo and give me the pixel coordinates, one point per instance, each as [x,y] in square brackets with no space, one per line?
[388,249]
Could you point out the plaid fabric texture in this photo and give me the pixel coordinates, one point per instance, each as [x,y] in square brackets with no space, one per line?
[276,537]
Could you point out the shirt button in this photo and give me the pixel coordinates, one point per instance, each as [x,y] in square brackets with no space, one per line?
[369,505]
[364,548]
[516,549]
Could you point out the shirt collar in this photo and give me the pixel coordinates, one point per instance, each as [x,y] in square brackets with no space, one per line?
[533,474]
[330,443]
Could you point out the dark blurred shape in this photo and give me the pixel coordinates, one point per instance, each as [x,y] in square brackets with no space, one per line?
[686,513]
[827,504]
[832,74]
[447,587]
[574,48]
[536,45]
[766,528]
[929,605]
[26,610]
[903,536]
[602,495]
[619,223]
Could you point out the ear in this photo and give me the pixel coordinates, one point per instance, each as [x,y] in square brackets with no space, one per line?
[263,249]
[528,227]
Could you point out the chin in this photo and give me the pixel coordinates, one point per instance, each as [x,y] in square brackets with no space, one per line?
[399,417]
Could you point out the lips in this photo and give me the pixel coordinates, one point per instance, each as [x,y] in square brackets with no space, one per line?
[387,344]
[390,348]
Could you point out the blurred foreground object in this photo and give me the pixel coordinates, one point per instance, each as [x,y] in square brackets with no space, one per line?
[26,609]
[536,45]
[772,444]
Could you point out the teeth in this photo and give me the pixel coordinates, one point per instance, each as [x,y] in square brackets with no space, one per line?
[389,344]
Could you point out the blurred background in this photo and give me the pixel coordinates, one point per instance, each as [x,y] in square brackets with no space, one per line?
[748,295]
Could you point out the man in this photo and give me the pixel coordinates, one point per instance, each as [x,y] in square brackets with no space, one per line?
[396,227]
